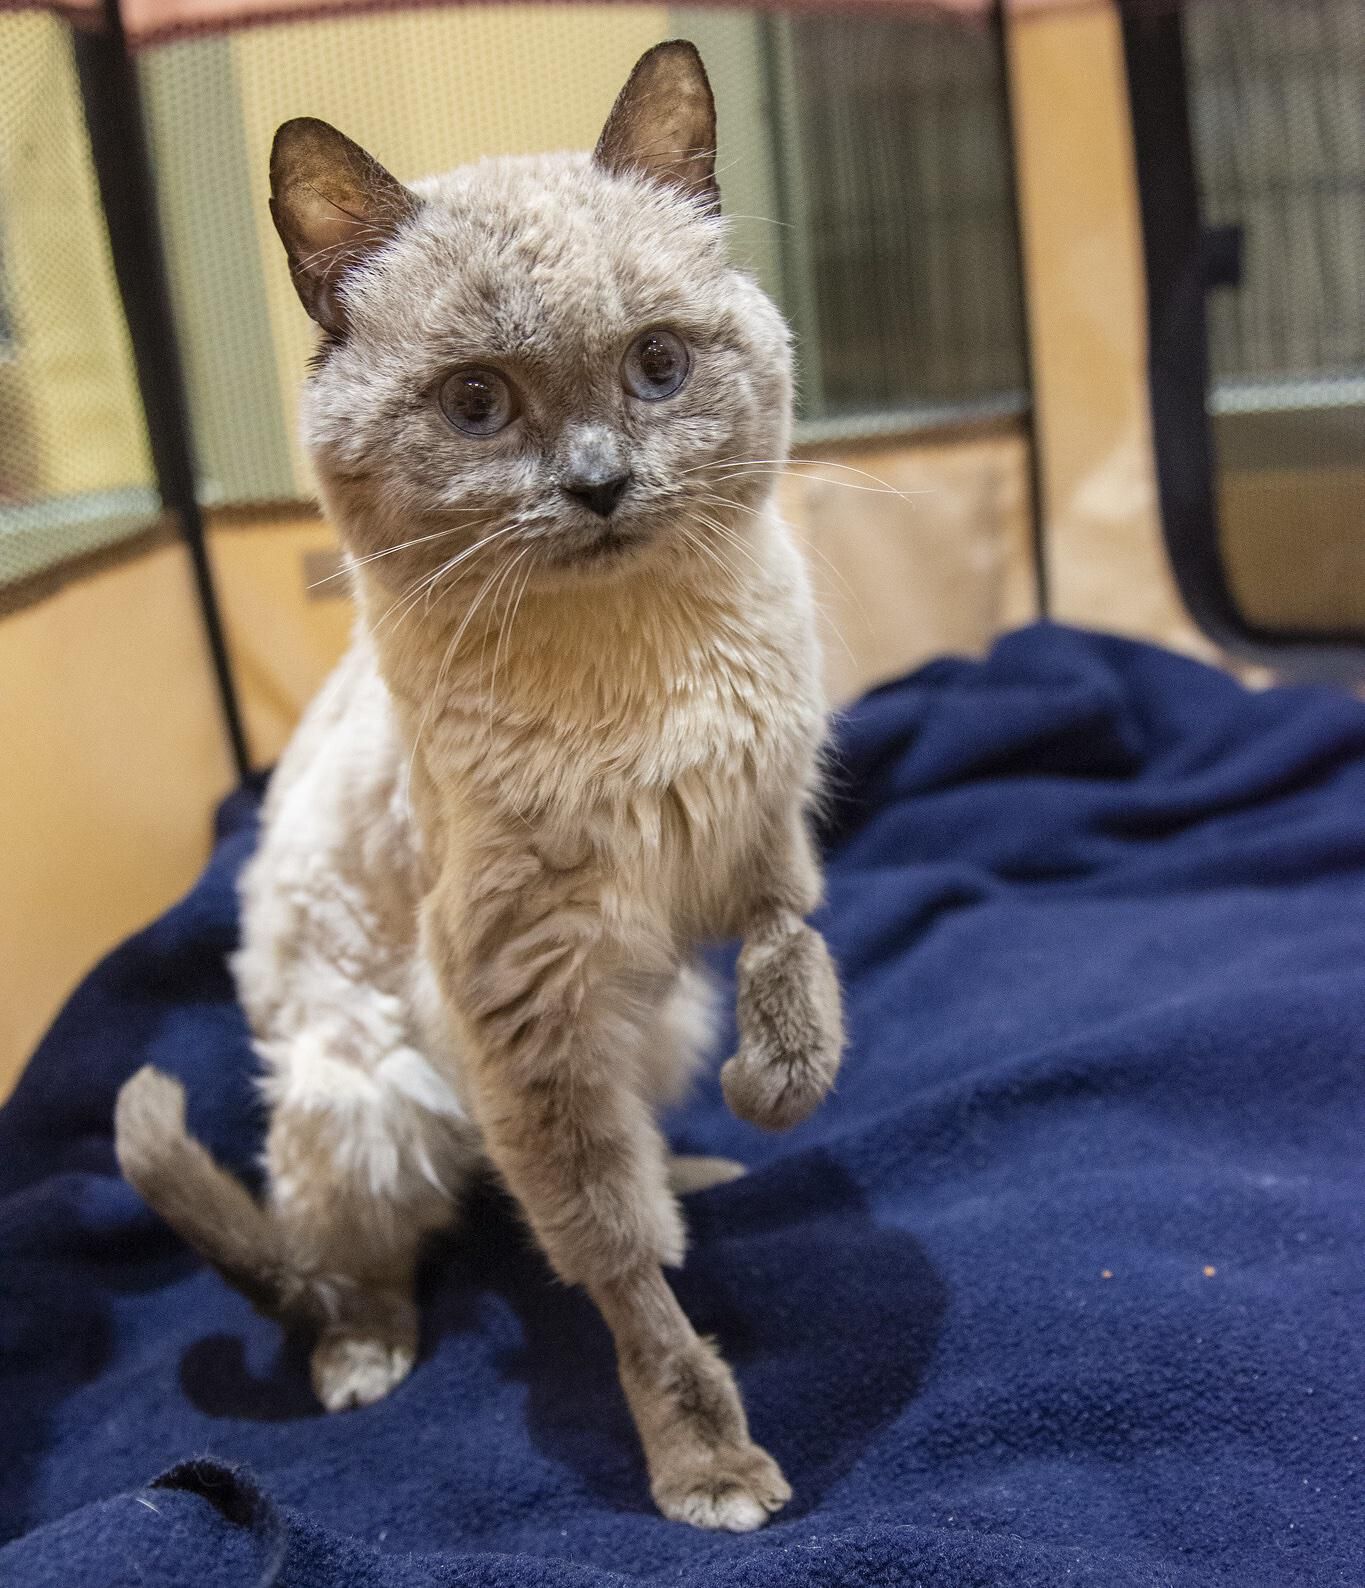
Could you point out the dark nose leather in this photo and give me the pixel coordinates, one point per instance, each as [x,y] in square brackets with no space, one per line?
[600,495]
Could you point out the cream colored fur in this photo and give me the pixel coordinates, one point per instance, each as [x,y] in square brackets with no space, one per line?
[554,762]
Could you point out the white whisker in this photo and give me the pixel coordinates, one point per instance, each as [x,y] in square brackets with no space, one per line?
[426,585]
[809,546]
[730,216]
[737,467]
[444,668]
[698,544]
[505,629]
[725,501]
[728,535]
[388,551]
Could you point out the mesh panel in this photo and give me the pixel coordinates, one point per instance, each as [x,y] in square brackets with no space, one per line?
[898,154]
[1280,145]
[74,468]
[424,90]
[863,163]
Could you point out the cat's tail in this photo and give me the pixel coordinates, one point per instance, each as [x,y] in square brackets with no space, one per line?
[204,1204]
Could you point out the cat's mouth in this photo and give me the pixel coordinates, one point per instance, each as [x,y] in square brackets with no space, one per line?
[610,544]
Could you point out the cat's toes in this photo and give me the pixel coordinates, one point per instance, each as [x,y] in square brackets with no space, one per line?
[357,1370]
[732,1491]
[791,1030]
[771,1092]
[688,1172]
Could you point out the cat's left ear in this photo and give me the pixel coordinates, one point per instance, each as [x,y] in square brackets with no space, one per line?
[663,124]
[333,205]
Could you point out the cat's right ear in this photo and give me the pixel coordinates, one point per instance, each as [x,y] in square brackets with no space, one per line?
[333,205]
[663,124]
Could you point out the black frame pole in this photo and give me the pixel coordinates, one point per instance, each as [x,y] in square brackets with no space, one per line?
[1177,351]
[1176,254]
[113,118]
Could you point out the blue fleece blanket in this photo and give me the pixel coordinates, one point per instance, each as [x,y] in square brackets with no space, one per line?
[1065,1285]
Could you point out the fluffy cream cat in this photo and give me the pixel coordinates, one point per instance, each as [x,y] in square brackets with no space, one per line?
[576,736]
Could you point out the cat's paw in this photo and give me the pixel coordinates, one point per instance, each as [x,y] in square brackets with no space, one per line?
[356,1370]
[791,1030]
[734,1489]
[688,1172]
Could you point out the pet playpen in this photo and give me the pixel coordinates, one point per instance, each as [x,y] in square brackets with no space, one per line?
[1063,1282]
[969,215]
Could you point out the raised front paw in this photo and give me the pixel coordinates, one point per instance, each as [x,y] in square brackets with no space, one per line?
[735,1488]
[791,1029]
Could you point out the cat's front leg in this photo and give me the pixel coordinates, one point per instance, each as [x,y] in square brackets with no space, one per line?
[787,1003]
[552,1014]
[703,1466]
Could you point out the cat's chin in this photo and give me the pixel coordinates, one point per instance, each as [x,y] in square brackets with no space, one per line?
[609,549]
[606,553]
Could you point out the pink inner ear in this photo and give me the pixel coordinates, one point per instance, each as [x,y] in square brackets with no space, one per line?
[663,124]
[326,239]
[328,227]
[332,204]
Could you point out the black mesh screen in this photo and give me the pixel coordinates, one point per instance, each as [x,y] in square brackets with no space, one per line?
[863,162]
[1280,143]
[899,181]
[75,473]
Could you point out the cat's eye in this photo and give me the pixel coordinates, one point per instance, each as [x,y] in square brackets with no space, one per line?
[478,401]
[656,365]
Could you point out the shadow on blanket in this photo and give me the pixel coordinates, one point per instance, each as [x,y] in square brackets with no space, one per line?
[563,1356]
[1064,1285]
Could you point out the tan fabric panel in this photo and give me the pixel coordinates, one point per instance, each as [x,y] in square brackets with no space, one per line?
[915,549]
[1087,309]
[114,759]
[287,618]
[117,752]
[1277,580]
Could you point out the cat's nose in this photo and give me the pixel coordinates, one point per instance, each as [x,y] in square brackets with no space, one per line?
[598,494]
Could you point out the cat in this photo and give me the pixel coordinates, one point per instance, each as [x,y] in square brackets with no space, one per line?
[577,734]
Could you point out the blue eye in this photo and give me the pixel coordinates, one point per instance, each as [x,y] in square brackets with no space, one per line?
[656,365]
[478,401]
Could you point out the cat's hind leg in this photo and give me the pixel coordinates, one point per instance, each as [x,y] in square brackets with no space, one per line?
[363,1163]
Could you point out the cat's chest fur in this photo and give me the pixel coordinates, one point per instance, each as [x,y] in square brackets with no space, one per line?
[658,743]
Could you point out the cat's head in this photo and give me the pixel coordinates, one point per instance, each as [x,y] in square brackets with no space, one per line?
[553,348]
